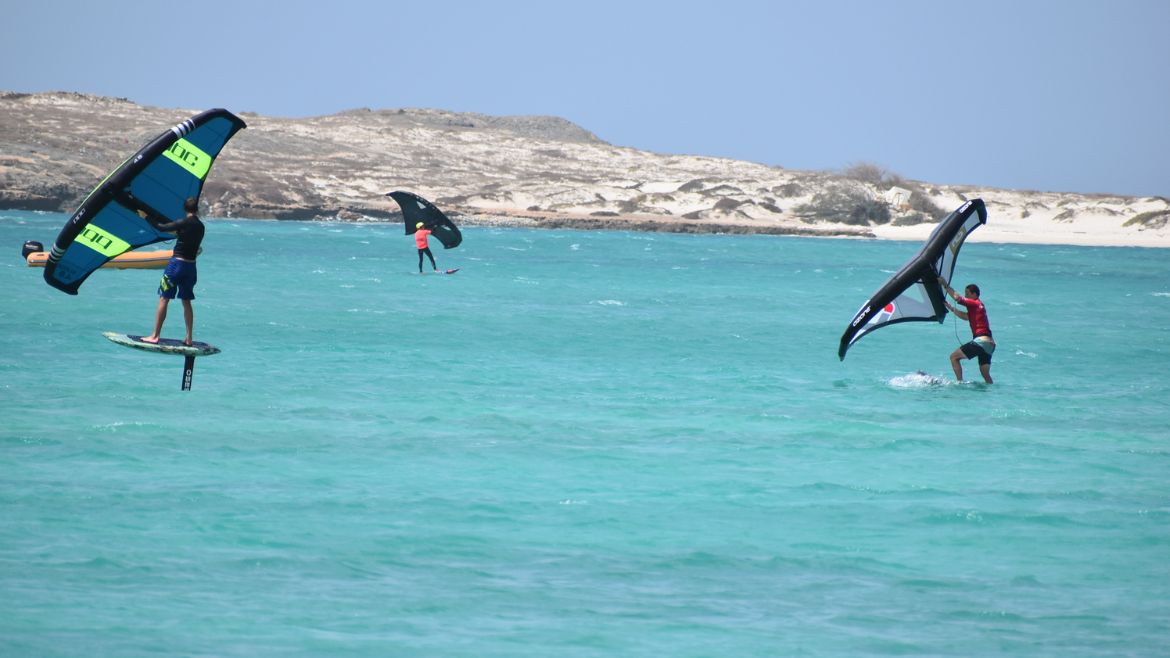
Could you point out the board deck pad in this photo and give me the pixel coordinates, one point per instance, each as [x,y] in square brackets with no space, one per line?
[164,345]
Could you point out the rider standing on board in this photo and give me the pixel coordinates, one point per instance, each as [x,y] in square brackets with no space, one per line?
[982,345]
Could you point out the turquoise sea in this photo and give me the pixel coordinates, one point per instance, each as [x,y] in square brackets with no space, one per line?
[582,444]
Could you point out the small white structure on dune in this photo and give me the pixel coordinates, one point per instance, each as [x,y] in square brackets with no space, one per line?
[898,197]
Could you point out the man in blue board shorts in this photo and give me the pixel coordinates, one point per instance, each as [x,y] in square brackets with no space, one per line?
[178,280]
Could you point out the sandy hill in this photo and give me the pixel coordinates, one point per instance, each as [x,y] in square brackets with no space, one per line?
[541,171]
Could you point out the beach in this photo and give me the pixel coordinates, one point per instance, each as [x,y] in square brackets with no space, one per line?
[1088,223]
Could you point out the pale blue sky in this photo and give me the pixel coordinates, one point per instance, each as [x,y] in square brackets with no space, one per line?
[1060,95]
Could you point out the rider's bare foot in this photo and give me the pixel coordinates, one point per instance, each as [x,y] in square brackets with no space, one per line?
[153,340]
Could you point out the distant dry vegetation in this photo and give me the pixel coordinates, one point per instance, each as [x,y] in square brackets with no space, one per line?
[847,202]
[1156,219]
[854,197]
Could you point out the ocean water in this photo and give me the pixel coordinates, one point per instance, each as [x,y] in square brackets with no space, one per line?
[582,444]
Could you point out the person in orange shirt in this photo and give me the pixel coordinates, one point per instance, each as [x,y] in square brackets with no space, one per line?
[420,240]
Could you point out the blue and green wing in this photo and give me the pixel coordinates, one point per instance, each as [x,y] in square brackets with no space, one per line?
[148,188]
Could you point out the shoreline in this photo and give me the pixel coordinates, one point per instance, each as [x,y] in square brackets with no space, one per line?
[1046,233]
[1036,232]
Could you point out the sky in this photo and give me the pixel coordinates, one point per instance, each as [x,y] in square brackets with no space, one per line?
[1046,95]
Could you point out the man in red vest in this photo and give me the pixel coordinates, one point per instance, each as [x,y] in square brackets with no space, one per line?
[982,345]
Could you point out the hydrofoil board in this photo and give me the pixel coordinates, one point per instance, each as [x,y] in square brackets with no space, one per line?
[163,346]
[167,346]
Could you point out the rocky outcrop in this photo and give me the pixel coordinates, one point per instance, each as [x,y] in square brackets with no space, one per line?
[539,171]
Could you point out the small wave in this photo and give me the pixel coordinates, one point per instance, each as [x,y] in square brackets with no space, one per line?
[928,583]
[1030,355]
[1161,294]
[609,302]
[119,425]
[917,380]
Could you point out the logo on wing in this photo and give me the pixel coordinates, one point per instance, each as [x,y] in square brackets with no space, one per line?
[884,315]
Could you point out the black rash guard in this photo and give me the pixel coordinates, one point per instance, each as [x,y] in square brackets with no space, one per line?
[190,231]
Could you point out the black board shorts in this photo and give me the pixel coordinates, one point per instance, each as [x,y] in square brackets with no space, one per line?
[974,349]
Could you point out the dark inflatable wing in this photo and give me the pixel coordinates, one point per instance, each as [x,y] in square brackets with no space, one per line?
[416,209]
[148,188]
[914,293]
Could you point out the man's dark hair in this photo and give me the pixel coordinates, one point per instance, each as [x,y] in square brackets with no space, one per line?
[975,288]
[191,205]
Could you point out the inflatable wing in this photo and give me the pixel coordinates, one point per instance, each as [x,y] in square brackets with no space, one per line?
[149,187]
[416,209]
[914,293]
